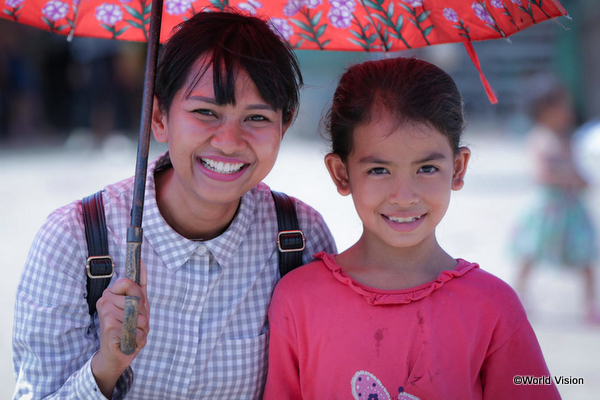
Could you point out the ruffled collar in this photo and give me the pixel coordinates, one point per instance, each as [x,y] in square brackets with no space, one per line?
[379,297]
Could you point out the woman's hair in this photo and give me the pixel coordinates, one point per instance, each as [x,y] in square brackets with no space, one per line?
[230,42]
[409,89]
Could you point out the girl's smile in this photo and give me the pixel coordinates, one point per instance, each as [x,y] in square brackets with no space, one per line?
[404,224]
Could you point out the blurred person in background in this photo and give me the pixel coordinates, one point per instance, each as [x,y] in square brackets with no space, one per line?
[556,229]
[106,80]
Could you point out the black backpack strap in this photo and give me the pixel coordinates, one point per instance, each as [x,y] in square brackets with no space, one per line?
[99,266]
[290,240]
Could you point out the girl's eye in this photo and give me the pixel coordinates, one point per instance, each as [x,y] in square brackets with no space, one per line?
[428,169]
[378,171]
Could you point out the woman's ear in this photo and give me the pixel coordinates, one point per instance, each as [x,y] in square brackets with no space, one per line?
[159,122]
[339,173]
[285,126]
[460,167]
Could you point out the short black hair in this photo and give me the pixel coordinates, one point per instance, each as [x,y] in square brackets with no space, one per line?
[410,89]
[230,41]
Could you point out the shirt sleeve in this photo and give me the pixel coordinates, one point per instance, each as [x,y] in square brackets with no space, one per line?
[518,357]
[316,232]
[283,377]
[54,337]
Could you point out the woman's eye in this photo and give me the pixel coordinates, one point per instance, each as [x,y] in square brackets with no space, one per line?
[428,169]
[257,118]
[204,111]
[378,171]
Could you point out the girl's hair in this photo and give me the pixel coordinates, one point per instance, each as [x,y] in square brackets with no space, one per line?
[230,42]
[409,89]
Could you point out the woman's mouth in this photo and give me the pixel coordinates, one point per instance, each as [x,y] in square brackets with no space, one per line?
[221,167]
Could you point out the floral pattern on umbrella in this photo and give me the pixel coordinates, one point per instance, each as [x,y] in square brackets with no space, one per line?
[355,25]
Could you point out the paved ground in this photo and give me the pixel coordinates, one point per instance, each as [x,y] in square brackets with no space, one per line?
[476,228]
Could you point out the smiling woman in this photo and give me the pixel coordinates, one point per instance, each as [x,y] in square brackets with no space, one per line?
[226,92]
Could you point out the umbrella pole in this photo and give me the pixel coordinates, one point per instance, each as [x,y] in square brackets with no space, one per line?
[134,232]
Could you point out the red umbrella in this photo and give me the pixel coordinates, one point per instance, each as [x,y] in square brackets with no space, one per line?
[349,25]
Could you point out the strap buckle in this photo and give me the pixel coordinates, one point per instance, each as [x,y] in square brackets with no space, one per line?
[96,258]
[289,241]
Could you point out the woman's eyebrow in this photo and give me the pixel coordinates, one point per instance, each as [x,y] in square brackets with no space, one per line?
[206,99]
[211,100]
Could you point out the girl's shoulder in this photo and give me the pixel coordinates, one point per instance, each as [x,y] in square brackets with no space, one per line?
[490,293]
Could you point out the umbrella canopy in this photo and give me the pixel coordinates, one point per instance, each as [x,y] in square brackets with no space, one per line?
[348,25]
[340,25]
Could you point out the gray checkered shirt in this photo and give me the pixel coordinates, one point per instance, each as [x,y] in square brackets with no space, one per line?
[208,300]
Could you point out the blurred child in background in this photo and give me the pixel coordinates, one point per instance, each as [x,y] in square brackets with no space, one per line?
[557,228]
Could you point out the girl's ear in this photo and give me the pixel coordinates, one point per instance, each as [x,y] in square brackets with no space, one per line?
[460,167]
[159,123]
[339,173]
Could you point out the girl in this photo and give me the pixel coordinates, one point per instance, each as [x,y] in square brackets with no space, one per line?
[395,316]
[557,229]
[226,92]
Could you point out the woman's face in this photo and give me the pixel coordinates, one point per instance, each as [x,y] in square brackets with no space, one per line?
[218,152]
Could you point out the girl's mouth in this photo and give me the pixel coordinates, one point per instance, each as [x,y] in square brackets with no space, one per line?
[221,167]
[401,220]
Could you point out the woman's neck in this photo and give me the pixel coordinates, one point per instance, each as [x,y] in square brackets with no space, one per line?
[189,216]
[376,264]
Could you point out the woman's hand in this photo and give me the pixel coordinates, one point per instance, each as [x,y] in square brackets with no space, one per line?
[110,363]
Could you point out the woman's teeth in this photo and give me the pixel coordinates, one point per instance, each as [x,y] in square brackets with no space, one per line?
[221,167]
[404,220]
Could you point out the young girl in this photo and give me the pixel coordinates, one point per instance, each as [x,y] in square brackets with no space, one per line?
[395,316]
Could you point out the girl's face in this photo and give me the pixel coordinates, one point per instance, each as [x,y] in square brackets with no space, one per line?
[218,152]
[400,179]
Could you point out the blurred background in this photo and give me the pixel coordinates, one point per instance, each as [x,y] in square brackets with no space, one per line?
[69,121]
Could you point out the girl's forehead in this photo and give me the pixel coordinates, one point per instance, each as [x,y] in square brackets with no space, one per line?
[392,136]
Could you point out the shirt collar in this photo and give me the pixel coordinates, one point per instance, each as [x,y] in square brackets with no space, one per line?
[172,248]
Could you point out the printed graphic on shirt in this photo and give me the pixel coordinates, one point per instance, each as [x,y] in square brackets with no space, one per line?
[365,386]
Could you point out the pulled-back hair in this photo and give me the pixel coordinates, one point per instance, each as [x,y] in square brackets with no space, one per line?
[230,42]
[409,89]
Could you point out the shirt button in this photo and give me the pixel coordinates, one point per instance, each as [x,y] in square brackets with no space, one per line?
[201,250]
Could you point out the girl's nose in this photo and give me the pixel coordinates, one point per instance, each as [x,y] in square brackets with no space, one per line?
[403,194]
[229,138]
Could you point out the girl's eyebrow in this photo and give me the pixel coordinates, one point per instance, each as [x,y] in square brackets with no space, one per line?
[211,100]
[431,157]
[373,160]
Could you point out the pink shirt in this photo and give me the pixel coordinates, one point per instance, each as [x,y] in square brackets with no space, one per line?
[463,336]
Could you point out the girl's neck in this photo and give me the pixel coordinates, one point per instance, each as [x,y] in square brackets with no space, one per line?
[381,266]
[190,217]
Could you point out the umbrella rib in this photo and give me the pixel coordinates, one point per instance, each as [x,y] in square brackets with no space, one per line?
[72,31]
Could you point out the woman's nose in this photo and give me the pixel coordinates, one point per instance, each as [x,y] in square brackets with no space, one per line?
[229,138]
